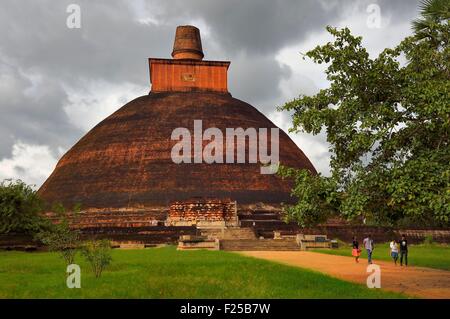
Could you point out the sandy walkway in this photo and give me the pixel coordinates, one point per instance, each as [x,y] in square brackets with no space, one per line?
[414,281]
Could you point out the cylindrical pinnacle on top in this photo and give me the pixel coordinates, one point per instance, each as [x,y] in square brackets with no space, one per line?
[188,44]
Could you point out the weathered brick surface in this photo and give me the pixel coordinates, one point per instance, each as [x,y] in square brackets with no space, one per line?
[188,43]
[125,162]
[192,211]
[122,173]
[188,75]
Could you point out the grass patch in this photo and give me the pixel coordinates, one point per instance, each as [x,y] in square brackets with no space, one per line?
[424,255]
[168,273]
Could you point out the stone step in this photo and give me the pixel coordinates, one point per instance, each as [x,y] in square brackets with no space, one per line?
[131,245]
[258,212]
[268,216]
[270,233]
[139,229]
[259,244]
[268,224]
[229,233]
[113,215]
[117,223]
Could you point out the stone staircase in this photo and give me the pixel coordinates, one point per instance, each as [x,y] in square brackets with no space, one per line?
[259,244]
[240,239]
[230,233]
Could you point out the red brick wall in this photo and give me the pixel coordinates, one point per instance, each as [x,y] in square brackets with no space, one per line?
[203,209]
[188,75]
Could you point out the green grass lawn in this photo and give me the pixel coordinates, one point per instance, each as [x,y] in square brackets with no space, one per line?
[433,255]
[168,273]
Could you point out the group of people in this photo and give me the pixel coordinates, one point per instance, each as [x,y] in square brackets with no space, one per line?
[396,247]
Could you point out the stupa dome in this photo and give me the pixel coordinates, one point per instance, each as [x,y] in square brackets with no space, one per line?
[125,160]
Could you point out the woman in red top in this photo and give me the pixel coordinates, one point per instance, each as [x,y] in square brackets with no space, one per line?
[356,252]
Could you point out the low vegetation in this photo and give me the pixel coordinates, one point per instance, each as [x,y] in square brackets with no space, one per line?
[20,208]
[98,255]
[168,273]
[61,239]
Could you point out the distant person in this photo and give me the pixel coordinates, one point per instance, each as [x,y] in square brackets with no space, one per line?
[368,245]
[403,250]
[394,251]
[356,252]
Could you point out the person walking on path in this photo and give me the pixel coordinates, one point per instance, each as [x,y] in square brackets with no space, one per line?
[403,250]
[368,245]
[356,252]
[394,251]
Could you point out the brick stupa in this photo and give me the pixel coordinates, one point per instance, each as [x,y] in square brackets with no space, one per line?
[123,166]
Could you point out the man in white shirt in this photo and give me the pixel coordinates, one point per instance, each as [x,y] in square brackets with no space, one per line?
[368,245]
[394,251]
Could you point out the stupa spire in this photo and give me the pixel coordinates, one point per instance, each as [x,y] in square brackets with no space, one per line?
[187,44]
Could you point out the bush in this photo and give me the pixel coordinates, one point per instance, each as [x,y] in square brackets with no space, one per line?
[20,208]
[60,238]
[98,254]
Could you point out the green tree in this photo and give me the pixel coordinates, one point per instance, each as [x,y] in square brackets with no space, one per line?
[433,12]
[20,208]
[59,237]
[387,122]
[314,195]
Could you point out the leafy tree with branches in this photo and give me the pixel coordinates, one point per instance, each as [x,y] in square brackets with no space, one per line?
[433,13]
[60,237]
[20,208]
[387,121]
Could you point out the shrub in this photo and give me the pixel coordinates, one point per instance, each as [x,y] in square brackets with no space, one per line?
[60,238]
[20,208]
[98,254]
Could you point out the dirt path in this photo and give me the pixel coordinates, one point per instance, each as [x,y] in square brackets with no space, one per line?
[415,281]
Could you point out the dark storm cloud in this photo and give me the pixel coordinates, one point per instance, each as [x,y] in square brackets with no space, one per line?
[250,33]
[263,27]
[260,27]
[36,46]
[113,46]
[257,82]
[32,112]
[40,57]
[110,45]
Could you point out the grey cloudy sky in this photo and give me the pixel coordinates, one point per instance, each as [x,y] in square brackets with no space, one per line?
[56,83]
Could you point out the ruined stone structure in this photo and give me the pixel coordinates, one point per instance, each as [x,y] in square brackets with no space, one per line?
[122,174]
[203,213]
